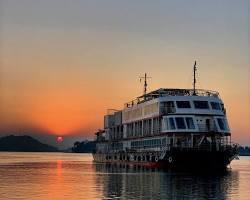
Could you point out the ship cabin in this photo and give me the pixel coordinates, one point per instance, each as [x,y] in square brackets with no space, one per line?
[165,119]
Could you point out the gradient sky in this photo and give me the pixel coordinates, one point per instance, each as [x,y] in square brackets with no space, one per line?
[63,63]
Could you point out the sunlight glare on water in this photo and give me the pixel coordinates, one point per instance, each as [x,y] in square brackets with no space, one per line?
[74,176]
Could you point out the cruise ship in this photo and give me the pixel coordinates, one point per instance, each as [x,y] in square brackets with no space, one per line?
[169,128]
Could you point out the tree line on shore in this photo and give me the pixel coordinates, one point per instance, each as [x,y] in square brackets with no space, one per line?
[84,147]
[244,151]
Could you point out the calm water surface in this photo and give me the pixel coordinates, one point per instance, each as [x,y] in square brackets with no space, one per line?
[74,176]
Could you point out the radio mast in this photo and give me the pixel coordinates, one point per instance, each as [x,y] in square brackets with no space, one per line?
[194,83]
[145,83]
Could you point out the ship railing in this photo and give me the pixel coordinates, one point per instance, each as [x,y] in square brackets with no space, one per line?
[165,148]
[115,151]
[207,147]
[145,148]
[185,92]
[198,92]
[171,92]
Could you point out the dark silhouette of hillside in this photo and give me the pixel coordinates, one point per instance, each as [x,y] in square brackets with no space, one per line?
[84,147]
[24,144]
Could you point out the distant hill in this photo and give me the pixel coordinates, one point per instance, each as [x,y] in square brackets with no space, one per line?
[84,147]
[24,144]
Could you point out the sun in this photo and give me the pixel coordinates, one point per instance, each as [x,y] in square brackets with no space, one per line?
[59,139]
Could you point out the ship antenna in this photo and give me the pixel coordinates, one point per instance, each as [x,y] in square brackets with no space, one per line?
[145,84]
[194,83]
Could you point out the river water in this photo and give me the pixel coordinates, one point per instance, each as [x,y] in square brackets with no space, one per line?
[74,176]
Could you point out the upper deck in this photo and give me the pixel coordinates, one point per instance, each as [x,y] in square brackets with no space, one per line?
[163,92]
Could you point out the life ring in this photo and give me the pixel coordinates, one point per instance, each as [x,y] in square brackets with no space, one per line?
[156,159]
[170,159]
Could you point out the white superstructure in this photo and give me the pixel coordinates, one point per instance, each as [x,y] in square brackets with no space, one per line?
[175,116]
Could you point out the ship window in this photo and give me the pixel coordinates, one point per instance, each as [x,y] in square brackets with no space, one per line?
[190,123]
[183,104]
[170,104]
[222,124]
[222,106]
[169,107]
[215,105]
[201,104]
[180,123]
[171,123]
[165,124]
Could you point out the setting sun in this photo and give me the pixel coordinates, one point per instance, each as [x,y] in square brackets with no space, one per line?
[59,139]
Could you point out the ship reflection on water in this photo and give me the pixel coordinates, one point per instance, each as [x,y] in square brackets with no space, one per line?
[144,183]
[66,176]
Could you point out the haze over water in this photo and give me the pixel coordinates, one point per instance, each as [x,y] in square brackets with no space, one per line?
[62,176]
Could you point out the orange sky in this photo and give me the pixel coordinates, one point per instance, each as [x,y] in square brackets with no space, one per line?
[62,66]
